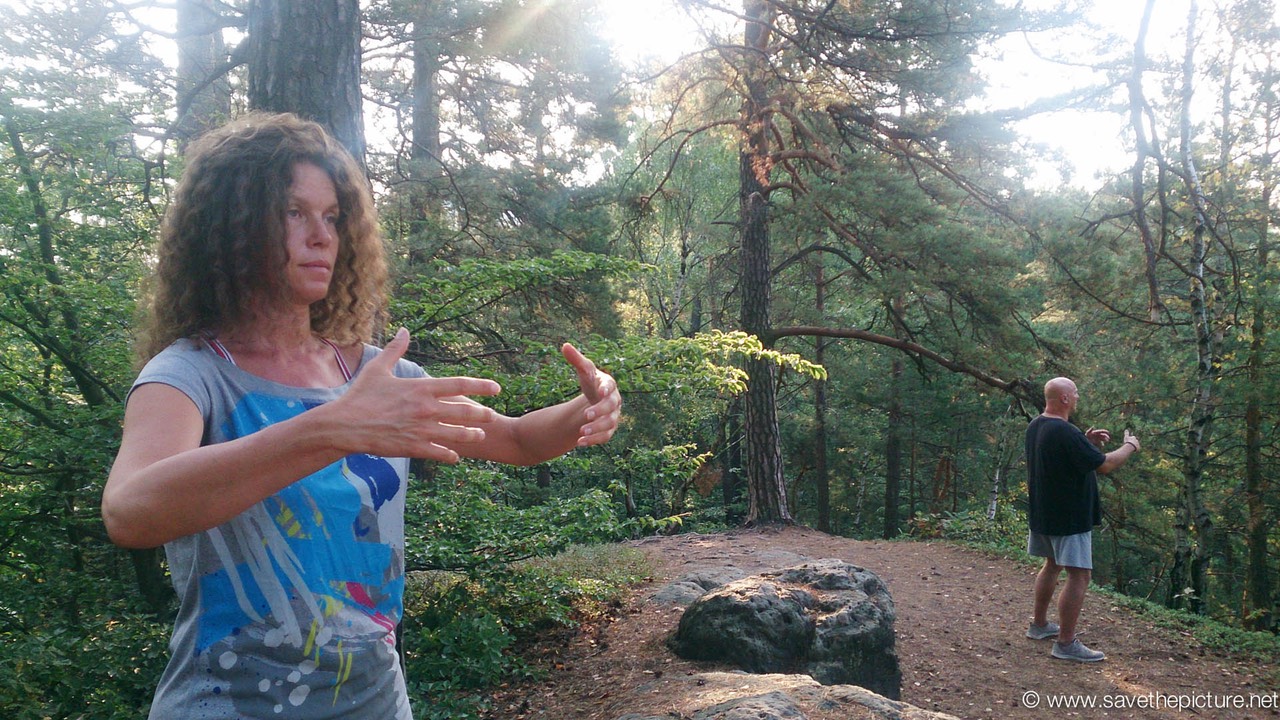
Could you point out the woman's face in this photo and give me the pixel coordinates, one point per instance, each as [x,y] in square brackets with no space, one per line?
[311,233]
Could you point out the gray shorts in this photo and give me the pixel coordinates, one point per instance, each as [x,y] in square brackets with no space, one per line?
[1066,550]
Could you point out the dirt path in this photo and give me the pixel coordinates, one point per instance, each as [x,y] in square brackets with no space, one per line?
[961,617]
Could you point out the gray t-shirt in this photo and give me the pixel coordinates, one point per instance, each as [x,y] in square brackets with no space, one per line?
[289,609]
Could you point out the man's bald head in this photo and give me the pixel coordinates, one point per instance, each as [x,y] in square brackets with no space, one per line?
[1060,397]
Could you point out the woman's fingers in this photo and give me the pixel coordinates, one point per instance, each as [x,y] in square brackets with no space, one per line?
[441,416]
[441,389]
[603,416]
[414,417]
[456,414]
[588,375]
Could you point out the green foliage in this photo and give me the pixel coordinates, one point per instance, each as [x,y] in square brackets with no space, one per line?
[457,640]
[503,249]
[1260,649]
[657,479]
[609,567]
[511,73]
[1006,534]
[107,663]
[706,365]
[77,211]
[457,521]
[583,583]
[439,302]
[460,629]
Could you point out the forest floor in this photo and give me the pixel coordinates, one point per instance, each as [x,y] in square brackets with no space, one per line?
[961,618]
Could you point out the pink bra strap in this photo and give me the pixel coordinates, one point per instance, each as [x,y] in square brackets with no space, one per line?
[342,364]
[223,353]
[219,350]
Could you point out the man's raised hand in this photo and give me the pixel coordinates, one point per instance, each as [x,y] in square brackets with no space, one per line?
[1098,436]
[1131,439]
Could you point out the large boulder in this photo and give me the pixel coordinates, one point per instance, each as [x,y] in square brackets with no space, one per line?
[736,696]
[828,619]
[693,585]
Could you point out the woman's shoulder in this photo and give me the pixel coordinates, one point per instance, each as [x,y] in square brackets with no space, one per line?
[187,365]
[182,352]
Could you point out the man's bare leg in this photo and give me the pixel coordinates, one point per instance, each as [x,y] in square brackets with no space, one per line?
[1046,582]
[1071,602]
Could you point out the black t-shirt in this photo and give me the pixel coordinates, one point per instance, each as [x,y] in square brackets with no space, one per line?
[1062,484]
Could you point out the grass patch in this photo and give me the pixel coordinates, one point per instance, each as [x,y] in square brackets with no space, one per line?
[1259,648]
[589,578]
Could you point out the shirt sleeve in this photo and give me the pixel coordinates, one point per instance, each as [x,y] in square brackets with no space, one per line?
[178,366]
[1084,455]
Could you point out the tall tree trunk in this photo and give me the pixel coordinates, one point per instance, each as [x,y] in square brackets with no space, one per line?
[912,492]
[893,431]
[1194,525]
[893,453]
[428,165]
[766,488]
[1258,606]
[1145,150]
[426,84]
[822,475]
[304,58]
[204,92]
[153,584]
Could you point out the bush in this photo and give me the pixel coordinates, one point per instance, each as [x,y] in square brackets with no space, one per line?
[1005,534]
[463,527]
[486,576]
[106,663]
[459,631]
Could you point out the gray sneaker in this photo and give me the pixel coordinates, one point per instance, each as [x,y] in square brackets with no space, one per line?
[1077,651]
[1042,632]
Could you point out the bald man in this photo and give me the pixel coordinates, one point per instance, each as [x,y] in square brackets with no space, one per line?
[1063,507]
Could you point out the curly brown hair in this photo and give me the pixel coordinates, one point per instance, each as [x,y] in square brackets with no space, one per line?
[222,243]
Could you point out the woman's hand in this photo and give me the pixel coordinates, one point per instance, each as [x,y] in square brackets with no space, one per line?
[604,407]
[413,417]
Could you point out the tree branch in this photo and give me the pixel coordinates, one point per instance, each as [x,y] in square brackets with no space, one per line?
[1021,389]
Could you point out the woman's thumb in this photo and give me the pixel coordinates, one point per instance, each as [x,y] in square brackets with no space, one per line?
[392,351]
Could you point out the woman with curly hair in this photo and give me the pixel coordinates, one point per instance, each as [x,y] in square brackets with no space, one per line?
[266,443]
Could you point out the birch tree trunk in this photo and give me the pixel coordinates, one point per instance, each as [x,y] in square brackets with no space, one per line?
[1194,526]
[1147,148]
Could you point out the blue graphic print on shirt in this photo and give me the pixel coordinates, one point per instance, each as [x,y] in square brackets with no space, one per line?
[327,552]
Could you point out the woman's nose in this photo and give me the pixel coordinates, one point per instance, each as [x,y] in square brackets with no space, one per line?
[321,231]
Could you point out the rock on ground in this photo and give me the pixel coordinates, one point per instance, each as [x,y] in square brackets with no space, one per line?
[827,619]
[743,696]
